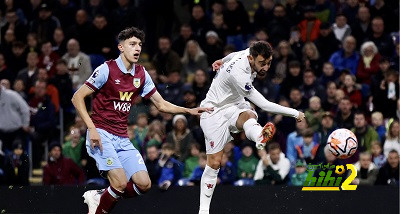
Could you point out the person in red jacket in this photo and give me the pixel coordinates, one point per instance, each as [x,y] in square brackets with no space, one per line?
[368,65]
[61,170]
[309,27]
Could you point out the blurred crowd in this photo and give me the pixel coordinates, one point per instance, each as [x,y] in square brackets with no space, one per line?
[335,60]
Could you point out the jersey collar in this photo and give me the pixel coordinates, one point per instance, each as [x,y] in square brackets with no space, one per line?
[121,67]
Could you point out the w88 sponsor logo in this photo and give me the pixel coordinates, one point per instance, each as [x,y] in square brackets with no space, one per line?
[122,106]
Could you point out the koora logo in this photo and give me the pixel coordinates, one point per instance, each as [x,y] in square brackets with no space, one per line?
[323,180]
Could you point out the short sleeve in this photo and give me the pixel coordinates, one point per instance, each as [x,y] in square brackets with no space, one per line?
[243,83]
[98,78]
[149,88]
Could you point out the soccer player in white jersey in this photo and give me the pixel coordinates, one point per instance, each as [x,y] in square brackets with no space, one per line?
[232,113]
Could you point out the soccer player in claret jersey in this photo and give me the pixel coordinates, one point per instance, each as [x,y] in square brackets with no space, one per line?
[115,85]
[232,113]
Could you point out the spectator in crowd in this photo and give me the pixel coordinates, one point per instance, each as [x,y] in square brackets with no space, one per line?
[345,116]
[310,86]
[247,163]
[17,56]
[326,43]
[45,24]
[29,74]
[5,83]
[48,58]
[387,95]
[73,147]
[300,176]
[361,28]
[32,43]
[350,90]
[284,125]
[65,11]
[325,11]
[347,57]
[366,171]
[392,141]
[331,160]
[103,42]
[185,34]
[5,73]
[350,9]
[294,11]
[378,125]
[297,101]
[192,161]
[156,134]
[264,14]
[60,170]
[166,60]
[78,63]
[140,131]
[43,120]
[14,117]
[152,155]
[198,170]
[200,85]
[309,26]
[173,89]
[180,137]
[293,79]
[377,154]
[213,47]
[14,22]
[365,134]
[17,165]
[51,90]
[341,28]
[389,173]
[199,23]
[227,173]
[170,167]
[330,103]
[19,87]
[314,113]
[237,21]
[382,40]
[326,127]
[307,150]
[279,26]
[311,58]
[2,160]
[273,168]
[59,42]
[368,65]
[193,59]
[283,56]
[219,27]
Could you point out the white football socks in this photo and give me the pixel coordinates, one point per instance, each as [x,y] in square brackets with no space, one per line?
[253,130]
[207,186]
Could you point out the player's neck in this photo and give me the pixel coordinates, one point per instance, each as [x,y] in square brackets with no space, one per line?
[127,64]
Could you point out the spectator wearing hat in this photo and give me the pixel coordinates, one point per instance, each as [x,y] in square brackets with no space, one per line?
[17,165]
[326,127]
[273,168]
[347,57]
[213,47]
[366,170]
[326,43]
[309,26]
[300,176]
[180,137]
[45,24]
[60,170]
[14,117]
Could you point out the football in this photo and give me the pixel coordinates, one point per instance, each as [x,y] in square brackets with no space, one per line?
[342,143]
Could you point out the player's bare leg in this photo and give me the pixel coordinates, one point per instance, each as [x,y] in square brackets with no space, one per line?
[139,184]
[116,189]
[209,181]
[247,121]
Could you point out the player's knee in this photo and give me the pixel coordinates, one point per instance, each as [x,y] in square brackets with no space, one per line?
[144,185]
[120,186]
[214,162]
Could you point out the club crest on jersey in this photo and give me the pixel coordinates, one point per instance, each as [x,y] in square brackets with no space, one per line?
[136,82]
[109,161]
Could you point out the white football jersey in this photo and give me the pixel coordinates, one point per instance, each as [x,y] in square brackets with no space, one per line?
[232,83]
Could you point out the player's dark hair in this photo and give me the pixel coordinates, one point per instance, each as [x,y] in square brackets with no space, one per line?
[261,48]
[129,33]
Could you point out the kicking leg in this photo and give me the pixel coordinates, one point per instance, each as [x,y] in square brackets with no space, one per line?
[209,180]
[247,121]
[116,189]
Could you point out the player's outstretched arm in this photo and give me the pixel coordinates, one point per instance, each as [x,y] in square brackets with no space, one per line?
[167,107]
[258,99]
[79,102]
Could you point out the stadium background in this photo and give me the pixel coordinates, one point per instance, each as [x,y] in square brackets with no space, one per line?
[61,42]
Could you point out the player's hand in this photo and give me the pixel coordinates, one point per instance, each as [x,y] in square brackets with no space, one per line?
[217,64]
[301,117]
[95,139]
[199,110]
